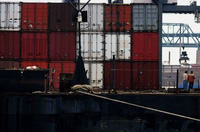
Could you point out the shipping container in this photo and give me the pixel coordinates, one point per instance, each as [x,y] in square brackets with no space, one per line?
[10,16]
[93,23]
[141,1]
[117,18]
[94,73]
[92,46]
[9,65]
[35,16]
[9,45]
[145,75]
[144,17]
[62,46]
[145,46]
[39,64]
[60,17]
[34,46]
[61,67]
[117,44]
[122,75]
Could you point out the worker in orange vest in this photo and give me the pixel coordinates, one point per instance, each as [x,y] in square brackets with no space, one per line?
[190,79]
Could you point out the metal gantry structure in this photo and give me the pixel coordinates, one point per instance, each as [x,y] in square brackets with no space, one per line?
[164,7]
[174,33]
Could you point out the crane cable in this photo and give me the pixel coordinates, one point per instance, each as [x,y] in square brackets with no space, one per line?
[140,106]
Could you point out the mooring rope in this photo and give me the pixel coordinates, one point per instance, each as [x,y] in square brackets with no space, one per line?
[140,106]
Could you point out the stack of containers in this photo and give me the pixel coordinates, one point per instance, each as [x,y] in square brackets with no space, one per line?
[117,43]
[62,42]
[34,35]
[10,19]
[92,43]
[145,46]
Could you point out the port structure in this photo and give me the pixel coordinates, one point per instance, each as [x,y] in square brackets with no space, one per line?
[175,33]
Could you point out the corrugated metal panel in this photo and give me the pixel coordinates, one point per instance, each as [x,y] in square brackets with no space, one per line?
[41,46]
[145,46]
[61,17]
[34,16]
[40,64]
[122,72]
[95,17]
[145,17]
[91,46]
[9,64]
[9,45]
[68,67]
[145,75]
[61,67]
[117,18]
[10,14]
[95,73]
[62,46]
[118,45]
[34,46]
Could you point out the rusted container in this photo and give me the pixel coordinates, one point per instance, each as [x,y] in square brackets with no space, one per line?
[118,44]
[94,73]
[35,16]
[144,17]
[95,17]
[92,46]
[60,18]
[117,18]
[122,75]
[62,46]
[145,46]
[61,67]
[145,75]
[39,64]
[34,46]
[10,16]
[9,45]
[9,65]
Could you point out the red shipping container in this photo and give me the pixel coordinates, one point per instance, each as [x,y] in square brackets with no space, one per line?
[40,64]
[34,46]
[62,46]
[35,16]
[61,17]
[117,18]
[145,46]
[145,75]
[9,45]
[9,65]
[61,67]
[122,75]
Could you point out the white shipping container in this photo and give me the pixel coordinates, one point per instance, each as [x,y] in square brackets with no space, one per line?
[141,1]
[145,17]
[95,17]
[118,44]
[92,46]
[10,16]
[95,73]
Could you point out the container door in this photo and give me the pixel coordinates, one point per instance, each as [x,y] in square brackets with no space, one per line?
[41,14]
[4,18]
[28,48]
[92,46]
[122,75]
[41,46]
[151,17]
[138,12]
[118,45]
[95,73]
